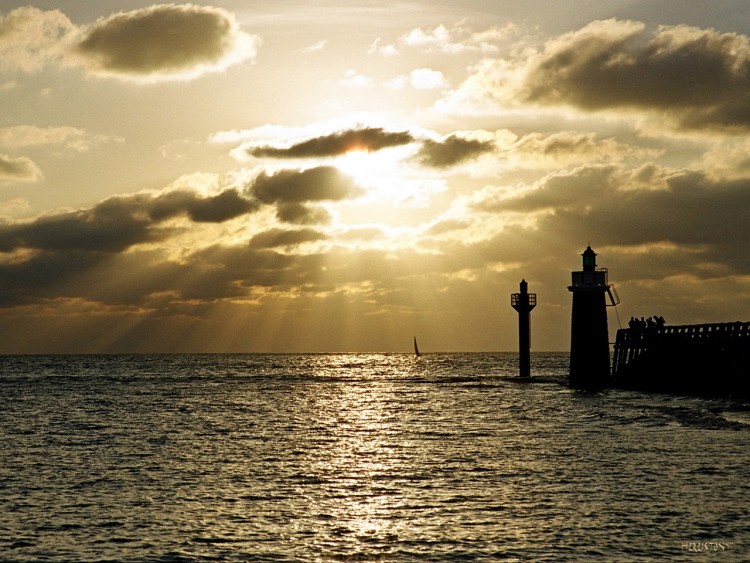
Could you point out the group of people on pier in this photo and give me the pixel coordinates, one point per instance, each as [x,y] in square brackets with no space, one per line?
[644,324]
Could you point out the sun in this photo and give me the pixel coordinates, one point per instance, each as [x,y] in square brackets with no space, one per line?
[366,166]
[385,175]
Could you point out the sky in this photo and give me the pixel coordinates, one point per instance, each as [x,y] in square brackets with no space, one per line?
[343,175]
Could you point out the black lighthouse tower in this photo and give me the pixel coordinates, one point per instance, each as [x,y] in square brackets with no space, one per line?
[589,334]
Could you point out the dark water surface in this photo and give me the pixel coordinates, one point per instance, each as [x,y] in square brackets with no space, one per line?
[361,457]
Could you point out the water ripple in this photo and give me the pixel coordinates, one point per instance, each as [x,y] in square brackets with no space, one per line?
[357,458]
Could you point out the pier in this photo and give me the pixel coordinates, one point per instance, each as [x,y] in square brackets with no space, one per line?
[712,359]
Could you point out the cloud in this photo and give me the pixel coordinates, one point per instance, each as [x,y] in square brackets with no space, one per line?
[324,183]
[578,188]
[728,159]
[29,136]
[462,258]
[419,38]
[689,210]
[452,150]
[165,42]
[459,38]
[700,76]
[244,267]
[456,39]
[361,234]
[215,209]
[300,214]
[273,238]
[161,42]
[120,222]
[15,206]
[376,47]
[109,227]
[319,46]
[567,148]
[650,205]
[427,79]
[419,79]
[443,226]
[89,256]
[364,139]
[18,169]
[30,38]
[694,78]
[353,79]
[489,88]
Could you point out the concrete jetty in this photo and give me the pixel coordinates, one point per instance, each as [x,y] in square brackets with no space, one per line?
[707,359]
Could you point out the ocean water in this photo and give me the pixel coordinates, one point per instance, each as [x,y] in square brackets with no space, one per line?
[364,457]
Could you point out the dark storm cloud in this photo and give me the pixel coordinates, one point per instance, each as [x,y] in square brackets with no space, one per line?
[120,222]
[364,139]
[165,39]
[324,183]
[273,238]
[699,77]
[452,150]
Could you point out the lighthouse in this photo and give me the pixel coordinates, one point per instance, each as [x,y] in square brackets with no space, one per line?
[589,335]
[524,302]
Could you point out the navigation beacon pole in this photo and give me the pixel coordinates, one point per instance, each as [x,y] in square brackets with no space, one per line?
[524,302]
[589,335]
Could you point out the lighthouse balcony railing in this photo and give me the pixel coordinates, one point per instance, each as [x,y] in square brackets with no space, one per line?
[592,278]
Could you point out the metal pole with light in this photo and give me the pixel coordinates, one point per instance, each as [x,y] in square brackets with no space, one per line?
[524,302]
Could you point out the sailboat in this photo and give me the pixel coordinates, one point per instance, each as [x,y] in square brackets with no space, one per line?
[416,348]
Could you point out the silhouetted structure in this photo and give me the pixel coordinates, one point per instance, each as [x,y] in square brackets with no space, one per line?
[589,335]
[649,355]
[706,359]
[524,302]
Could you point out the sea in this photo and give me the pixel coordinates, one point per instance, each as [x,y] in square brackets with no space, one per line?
[360,457]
